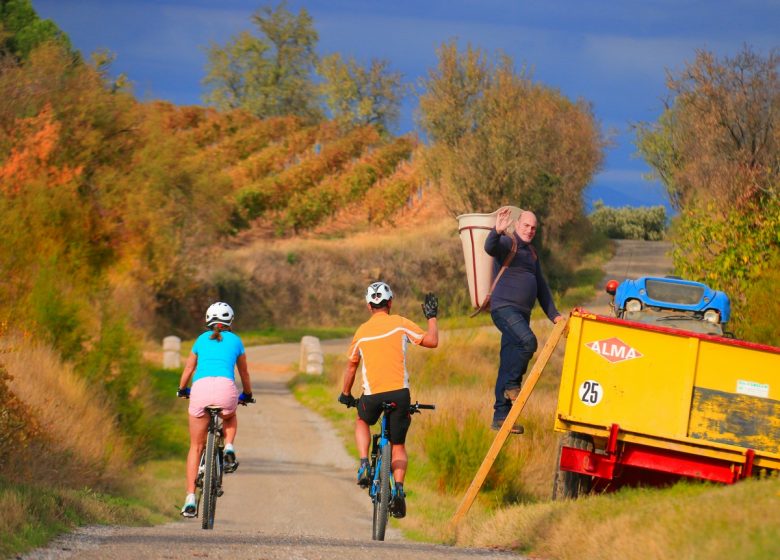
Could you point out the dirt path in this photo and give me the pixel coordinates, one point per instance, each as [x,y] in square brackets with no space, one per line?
[293,495]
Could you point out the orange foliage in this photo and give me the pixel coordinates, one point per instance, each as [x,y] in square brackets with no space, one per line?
[31,158]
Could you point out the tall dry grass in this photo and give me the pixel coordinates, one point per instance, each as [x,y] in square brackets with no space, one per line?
[81,445]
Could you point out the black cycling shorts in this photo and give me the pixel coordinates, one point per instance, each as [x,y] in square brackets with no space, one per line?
[398,420]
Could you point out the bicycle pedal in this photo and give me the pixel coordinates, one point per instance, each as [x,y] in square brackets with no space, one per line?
[220,492]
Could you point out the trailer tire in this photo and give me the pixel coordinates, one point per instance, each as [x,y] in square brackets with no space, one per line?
[569,485]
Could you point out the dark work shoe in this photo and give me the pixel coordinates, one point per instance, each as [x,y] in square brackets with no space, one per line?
[516,429]
[231,464]
[512,393]
[398,505]
[364,475]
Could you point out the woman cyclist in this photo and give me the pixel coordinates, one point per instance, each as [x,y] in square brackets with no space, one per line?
[214,357]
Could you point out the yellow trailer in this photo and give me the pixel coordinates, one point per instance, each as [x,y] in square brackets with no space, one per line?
[642,403]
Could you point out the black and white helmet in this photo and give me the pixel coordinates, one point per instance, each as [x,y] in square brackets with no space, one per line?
[378,292]
[219,312]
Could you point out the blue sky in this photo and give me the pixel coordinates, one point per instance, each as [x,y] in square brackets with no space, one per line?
[614,54]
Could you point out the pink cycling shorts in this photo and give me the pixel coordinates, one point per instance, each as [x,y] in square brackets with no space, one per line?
[216,391]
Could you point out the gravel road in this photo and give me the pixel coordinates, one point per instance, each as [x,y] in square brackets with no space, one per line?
[294,495]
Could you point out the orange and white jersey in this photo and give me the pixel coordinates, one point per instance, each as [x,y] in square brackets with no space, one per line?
[381,344]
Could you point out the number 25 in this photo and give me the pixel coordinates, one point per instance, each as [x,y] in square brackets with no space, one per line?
[590,392]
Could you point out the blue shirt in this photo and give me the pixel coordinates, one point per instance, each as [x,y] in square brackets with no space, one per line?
[217,358]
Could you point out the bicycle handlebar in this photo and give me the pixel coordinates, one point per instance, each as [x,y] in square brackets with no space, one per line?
[417,407]
[186,395]
[414,408]
[424,406]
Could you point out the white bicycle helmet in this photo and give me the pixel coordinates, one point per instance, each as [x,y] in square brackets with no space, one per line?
[378,292]
[219,312]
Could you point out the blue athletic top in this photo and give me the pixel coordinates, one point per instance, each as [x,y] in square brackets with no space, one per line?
[217,358]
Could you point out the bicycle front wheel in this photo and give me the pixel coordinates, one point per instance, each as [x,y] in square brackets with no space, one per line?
[210,483]
[382,498]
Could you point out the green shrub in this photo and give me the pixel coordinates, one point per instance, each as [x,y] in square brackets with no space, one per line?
[762,306]
[57,311]
[644,222]
[455,450]
[114,362]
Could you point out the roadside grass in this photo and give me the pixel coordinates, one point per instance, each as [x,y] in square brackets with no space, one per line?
[32,514]
[689,520]
[82,446]
[81,469]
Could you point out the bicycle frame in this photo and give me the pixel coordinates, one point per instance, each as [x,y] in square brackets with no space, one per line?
[378,441]
[215,426]
[381,451]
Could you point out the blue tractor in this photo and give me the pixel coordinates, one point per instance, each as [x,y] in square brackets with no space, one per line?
[671,302]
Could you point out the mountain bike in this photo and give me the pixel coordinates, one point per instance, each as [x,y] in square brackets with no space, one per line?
[382,488]
[211,466]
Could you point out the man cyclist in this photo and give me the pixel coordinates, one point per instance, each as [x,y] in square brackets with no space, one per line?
[381,344]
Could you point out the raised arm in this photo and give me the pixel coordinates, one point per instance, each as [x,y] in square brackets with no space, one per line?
[430,308]
[431,338]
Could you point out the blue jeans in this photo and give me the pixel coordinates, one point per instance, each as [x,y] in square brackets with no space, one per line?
[518,344]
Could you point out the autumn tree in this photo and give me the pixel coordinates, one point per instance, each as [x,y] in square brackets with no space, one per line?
[269,74]
[497,138]
[357,95]
[718,137]
[716,149]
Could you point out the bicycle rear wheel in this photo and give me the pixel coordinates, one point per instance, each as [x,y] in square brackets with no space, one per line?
[210,483]
[382,498]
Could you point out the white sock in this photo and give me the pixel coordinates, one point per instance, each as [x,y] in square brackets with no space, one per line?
[229,447]
[190,499]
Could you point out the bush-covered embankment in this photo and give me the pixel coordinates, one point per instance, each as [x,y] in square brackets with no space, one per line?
[68,461]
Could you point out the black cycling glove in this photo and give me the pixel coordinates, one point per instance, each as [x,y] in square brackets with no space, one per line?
[183,393]
[431,306]
[347,400]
